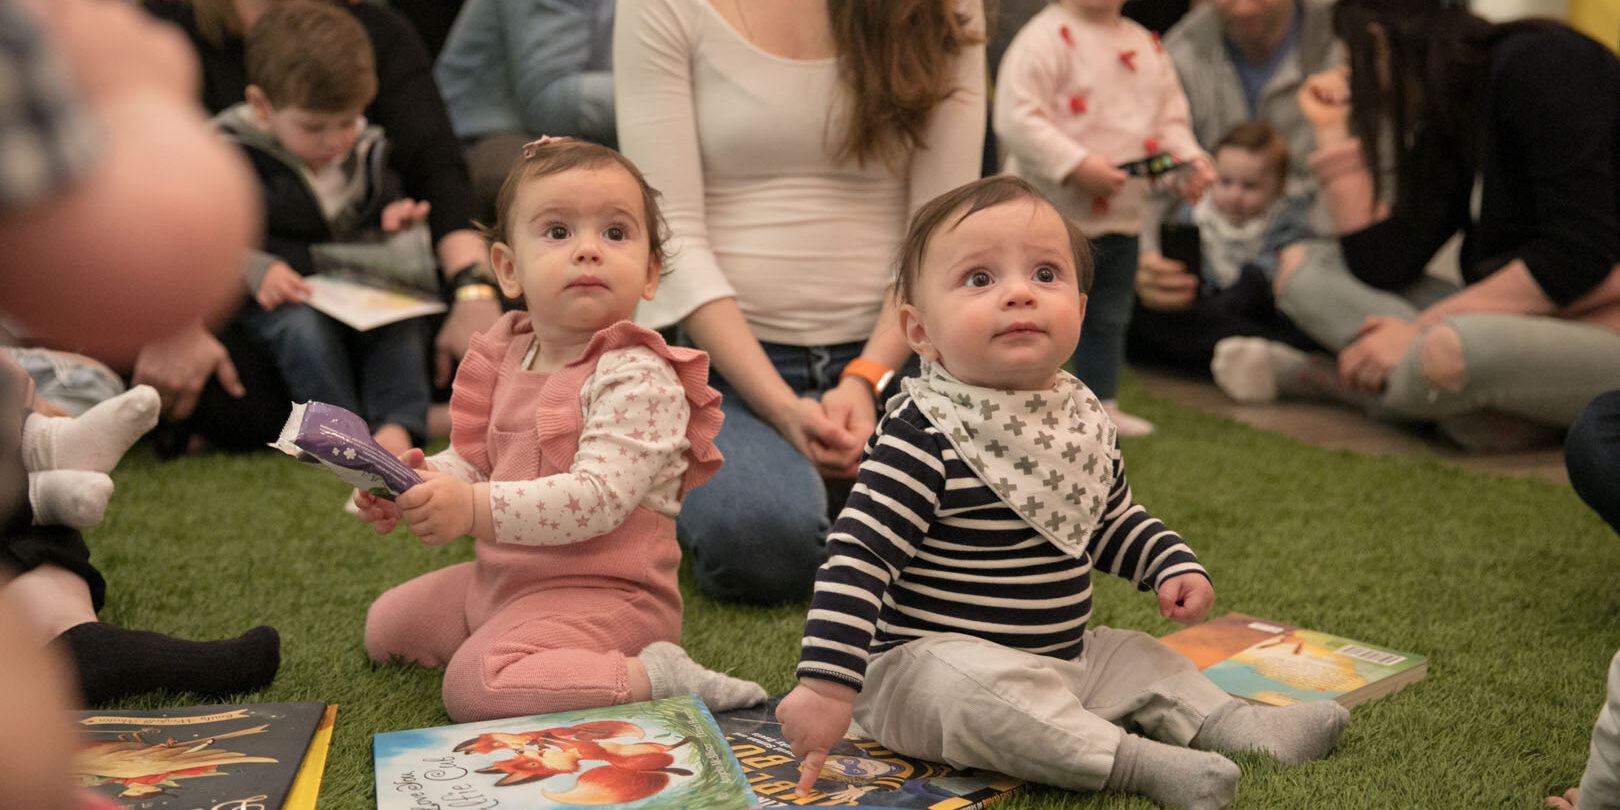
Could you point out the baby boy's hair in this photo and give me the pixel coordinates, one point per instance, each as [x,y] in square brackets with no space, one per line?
[560,155]
[311,55]
[975,197]
[1263,139]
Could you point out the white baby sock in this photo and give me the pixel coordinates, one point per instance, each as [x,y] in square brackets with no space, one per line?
[1127,424]
[73,498]
[672,673]
[1171,775]
[1297,733]
[93,441]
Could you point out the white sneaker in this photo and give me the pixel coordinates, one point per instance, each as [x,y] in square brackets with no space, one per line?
[1126,424]
[1242,368]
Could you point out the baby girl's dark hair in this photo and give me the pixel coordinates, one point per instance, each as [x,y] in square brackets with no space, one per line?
[559,155]
[975,197]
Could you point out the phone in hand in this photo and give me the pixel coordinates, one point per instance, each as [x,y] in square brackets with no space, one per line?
[1179,241]
[1154,165]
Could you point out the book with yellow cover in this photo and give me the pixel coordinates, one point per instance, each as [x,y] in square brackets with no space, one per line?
[1269,662]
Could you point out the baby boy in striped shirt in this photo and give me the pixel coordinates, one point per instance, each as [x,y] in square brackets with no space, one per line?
[950,618]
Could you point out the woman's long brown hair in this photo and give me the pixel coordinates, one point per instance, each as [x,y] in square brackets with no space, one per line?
[894,58]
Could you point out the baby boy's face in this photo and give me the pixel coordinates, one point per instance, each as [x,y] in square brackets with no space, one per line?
[998,300]
[1245,184]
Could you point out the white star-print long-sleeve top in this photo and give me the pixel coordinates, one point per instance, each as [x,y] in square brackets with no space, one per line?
[632,451]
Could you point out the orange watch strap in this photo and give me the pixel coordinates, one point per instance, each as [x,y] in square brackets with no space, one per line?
[870,370]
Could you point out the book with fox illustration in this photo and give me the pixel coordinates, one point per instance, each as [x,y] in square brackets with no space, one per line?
[659,755]
[859,772]
[1269,662]
[198,756]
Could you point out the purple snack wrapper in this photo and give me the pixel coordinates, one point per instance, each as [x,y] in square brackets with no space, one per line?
[339,440]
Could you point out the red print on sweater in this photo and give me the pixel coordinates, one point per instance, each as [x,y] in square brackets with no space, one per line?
[1068,36]
[1077,104]
[1099,206]
[1129,58]
[1158,47]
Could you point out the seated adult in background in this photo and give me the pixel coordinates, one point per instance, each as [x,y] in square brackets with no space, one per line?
[1238,60]
[1508,132]
[791,141]
[513,70]
[229,392]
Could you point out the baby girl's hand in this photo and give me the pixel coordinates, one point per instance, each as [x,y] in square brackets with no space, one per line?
[439,509]
[381,513]
[1097,177]
[1186,598]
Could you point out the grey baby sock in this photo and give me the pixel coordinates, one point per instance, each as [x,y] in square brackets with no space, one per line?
[1172,775]
[96,439]
[72,498]
[1254,370]
[1297,733]
[672,673]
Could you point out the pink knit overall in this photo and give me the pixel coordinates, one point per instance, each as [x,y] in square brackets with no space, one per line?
[534,629]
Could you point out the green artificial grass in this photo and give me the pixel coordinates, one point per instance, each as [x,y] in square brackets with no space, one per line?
[1506,584]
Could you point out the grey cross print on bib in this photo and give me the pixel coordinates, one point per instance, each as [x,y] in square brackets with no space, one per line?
[1048,455]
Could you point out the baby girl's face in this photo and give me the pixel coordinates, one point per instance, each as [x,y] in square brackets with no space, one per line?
[998,301]
[1245,184]
[579,251]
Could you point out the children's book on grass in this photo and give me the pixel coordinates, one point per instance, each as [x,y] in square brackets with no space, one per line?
[189,757]
[1269,662]
[338,439]
[659,755]
[859,772]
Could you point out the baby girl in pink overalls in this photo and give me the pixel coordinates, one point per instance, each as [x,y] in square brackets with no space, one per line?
[575,434]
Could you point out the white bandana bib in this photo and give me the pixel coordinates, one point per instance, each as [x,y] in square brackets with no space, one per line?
[1049,455]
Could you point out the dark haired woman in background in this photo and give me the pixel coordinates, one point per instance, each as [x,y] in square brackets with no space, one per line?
[1508,132]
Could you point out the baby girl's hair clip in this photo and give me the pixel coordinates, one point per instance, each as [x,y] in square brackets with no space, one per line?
[530,148]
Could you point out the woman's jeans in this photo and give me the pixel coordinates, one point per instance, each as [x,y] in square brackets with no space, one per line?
[1592,455]
[1541,368]
[757,530]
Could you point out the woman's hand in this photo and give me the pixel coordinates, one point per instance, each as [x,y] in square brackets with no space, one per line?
[1365,364]
[851,405]
[1324,99]
[804,423]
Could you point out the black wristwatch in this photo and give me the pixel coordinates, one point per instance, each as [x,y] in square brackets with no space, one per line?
[471,283]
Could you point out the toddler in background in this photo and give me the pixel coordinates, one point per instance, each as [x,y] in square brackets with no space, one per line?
[575,434]
[951,616]
[310,75]
[1080,90]
[1243,222]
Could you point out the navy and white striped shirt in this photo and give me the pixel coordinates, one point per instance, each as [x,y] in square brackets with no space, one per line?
[925,547]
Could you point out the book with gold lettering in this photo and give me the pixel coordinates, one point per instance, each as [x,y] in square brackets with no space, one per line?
[244,755]
[1269,662]
[859,772]
[658,755]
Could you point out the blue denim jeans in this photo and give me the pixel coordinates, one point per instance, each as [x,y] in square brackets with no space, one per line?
[1101,350]
[757,530]
[1592,456]
[380,374]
